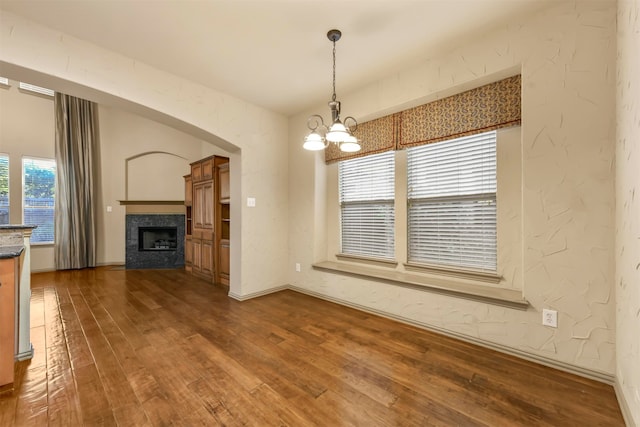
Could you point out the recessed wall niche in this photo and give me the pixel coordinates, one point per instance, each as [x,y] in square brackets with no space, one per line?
[155,175]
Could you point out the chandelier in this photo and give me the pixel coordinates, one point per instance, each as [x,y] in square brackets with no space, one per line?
[338,133]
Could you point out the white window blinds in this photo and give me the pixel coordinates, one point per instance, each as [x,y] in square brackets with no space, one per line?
[366,186]
[452,202]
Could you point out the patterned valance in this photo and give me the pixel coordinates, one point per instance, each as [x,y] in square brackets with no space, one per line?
[489,107]
[376,136]
[493,106]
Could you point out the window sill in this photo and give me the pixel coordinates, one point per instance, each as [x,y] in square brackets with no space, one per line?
[498,296]
[41,244]
[455,272]
[366,260]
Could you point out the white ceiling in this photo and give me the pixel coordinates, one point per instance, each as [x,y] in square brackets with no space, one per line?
[275,53]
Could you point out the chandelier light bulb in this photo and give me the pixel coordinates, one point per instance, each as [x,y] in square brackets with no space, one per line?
[350,144]
[337,132]
[314,142]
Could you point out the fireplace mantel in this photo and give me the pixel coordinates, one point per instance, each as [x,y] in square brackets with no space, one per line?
[151,202]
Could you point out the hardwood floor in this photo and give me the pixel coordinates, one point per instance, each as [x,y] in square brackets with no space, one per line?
[159,347]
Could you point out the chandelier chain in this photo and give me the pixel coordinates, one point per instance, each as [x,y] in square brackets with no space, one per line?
[334,71]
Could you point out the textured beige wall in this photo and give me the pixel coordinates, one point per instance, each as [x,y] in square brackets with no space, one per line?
[566,56]
[157,176]
[628,206]
[27,128]
[256,137]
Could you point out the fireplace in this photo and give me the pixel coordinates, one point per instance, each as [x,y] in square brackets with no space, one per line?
[157,238]
[154,241]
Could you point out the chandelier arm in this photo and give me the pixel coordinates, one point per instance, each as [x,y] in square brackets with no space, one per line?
[315,121]
[350,123]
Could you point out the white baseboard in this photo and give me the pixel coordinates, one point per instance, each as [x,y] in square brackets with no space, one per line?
[624,407]
[99,264]
[25,355]
[258,294]
[42,270]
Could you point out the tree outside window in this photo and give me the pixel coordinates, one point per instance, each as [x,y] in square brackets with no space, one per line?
[39,186]
[4,189]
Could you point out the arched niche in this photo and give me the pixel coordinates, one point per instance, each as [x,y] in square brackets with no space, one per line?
[155,175]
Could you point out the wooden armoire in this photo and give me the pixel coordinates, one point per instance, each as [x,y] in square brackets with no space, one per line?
[206,202]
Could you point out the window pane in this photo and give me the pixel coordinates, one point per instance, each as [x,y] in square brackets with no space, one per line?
[452,203]
[460,233]
[4,189]
[39,177]
[367,187]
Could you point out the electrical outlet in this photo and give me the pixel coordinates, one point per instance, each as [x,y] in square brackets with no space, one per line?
[550,318]
[298,267]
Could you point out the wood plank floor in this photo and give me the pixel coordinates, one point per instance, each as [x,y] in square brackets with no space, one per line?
[159,347]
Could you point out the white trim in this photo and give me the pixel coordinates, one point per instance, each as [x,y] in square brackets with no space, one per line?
[624,407]
[257,294]
[25,355]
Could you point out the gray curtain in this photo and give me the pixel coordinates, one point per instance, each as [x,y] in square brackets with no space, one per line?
[76,160]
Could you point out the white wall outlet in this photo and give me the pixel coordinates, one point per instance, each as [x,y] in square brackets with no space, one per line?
[550,318]
[109,209]
[251,202]
[298,267]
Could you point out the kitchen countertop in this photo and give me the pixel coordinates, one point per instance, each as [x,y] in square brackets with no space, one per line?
[10,251]
[16,226]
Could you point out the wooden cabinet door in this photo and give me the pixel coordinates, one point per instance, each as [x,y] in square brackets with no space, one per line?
[208,211]
[223,181]
[207,169]
[207,258]
[197,255]
[196,172]
[188,251]
[188,191]
[8,278]
[203,209]
[224,259]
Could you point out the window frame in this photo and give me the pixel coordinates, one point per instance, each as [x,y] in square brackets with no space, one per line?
[369,199]
[456,204]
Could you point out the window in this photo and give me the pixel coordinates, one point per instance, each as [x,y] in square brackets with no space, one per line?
[366,187]
[39,178]
[452,203]
[36,89]
[4,189]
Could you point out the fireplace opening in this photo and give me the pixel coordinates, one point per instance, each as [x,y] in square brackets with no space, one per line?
[157,238]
